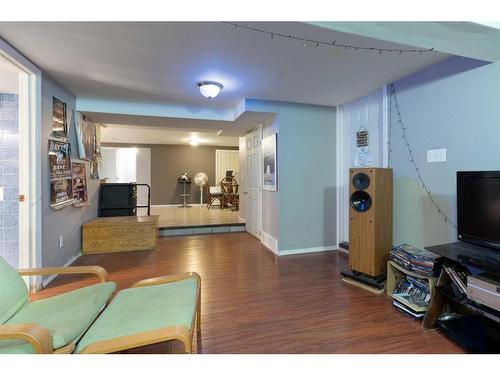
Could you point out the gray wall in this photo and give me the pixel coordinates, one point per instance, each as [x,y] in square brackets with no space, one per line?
[304,208]
[452,105]
[168,162]
[67,221]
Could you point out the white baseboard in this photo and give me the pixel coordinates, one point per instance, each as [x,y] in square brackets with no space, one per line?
[307,250]
[270,242]
[66,264]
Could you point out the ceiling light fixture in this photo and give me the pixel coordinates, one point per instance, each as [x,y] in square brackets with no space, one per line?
[193,141]
[209,89]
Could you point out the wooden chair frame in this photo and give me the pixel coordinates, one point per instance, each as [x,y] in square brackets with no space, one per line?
[41,340]
[158,335]
[38,336]
[230,194]
[211,198]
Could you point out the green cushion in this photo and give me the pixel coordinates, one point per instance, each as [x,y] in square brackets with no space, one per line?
[13,291]
[144,309]
[65,316]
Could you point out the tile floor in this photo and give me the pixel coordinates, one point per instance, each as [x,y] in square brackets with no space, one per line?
[172,217]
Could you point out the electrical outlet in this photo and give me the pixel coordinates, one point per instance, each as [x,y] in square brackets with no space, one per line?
[436,156]
[61,242]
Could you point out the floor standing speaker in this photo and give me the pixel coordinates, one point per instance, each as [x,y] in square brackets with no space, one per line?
[370,220]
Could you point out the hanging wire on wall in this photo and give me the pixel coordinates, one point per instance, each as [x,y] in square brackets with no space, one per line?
[393,101]
[332,44]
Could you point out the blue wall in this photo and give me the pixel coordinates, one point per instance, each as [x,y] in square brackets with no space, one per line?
[454,105]
[306,173]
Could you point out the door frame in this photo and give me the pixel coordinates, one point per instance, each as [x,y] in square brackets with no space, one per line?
[342,135]
[259,129]
[30,236]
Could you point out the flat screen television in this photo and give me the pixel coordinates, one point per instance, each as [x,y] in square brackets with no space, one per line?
[478,208]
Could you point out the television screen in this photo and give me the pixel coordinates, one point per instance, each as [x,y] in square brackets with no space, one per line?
[478,206]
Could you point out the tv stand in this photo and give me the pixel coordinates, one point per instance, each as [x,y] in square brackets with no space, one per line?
[477,327]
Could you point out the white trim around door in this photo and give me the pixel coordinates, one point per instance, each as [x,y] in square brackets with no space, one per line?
[30,135]
[344,148]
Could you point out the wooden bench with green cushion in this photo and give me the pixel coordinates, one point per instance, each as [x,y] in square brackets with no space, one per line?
[53,324]
[151,311]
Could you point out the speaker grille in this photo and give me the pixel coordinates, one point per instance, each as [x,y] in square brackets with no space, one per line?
[361,201]
[360,181]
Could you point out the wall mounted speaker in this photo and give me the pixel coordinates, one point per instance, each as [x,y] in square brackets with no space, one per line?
[370,219]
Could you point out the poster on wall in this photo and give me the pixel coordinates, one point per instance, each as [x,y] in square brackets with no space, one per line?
[86,137]
[79,172]
[94,170]
[59,119]
[363,155]
[61,189]
[270,165]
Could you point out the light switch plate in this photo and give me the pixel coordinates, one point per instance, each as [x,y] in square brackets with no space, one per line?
[436,156]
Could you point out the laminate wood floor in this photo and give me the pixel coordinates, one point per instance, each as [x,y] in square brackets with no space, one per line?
[256,302]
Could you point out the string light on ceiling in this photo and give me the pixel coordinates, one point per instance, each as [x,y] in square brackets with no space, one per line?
[331,44]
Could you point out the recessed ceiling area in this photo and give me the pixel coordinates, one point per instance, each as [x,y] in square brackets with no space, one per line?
[168,130]
[162,61]
[130,134]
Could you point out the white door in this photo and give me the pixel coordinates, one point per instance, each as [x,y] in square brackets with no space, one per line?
[253,181]
[364,114]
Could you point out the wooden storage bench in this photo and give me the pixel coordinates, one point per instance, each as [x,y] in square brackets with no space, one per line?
[123,233]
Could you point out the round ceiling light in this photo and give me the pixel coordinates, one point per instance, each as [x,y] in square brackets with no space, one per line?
[194,141]
[210,89]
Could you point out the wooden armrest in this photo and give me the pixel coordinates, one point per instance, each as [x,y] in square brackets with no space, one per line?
[137,340]
[100,272]
[168,279]
[36,335]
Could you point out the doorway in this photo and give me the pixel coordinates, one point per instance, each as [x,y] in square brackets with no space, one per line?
[20,190]
[128,164]
[253,182]
[226,160]
[363,114]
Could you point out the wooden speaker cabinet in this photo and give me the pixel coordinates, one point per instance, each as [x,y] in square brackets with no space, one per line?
[370,219]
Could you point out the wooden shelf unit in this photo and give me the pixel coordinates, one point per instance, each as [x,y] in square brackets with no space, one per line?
[121,233]
[395,272]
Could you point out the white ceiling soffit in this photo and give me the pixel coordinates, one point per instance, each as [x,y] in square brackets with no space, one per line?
[468,39]
[161,62]
[247,121]
[158,135]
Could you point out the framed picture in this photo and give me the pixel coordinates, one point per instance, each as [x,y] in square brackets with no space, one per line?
[79,171]
[86,137]
[61,177]
[59,119]
[269,156]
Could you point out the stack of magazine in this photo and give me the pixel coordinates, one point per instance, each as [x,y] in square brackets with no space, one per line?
[416,260]
[411,297]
